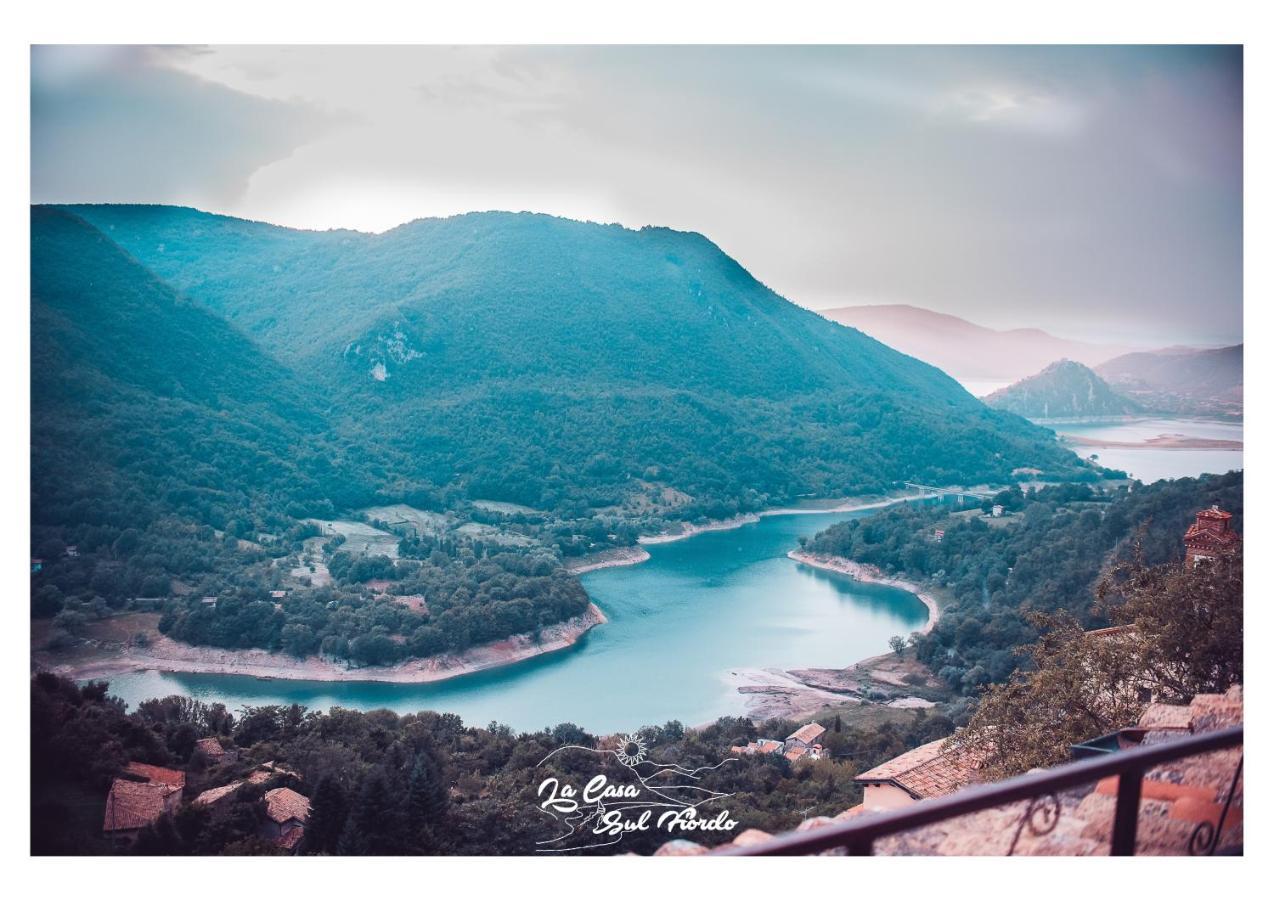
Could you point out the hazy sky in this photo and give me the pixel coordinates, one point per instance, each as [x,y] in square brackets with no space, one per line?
[1091,191]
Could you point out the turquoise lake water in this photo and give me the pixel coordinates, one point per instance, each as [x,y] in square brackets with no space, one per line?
[679,624]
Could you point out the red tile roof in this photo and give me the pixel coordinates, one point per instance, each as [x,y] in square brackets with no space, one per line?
[157,774]
[133,804]
[926,771]
[283,804]
[807,734]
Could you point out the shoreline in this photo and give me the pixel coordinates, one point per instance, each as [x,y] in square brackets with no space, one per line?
[844,506]
[167,655]
[1163,442]
[785,693]
[608,559]
[871,575]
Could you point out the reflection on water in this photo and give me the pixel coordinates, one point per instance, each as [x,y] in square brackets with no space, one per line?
[679,623]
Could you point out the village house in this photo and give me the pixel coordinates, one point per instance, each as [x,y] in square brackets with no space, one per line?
[806,737]
[37,565]
[141,797]
[927,771]
[173,778]
[1210,536]
[287,812]
[763,745]
[132,805]
[803,743]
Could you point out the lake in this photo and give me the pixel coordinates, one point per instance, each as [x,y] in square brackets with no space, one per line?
[1153,463]
[680,622]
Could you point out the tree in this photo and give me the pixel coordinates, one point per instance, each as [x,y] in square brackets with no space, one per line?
[328,812]
[375,823]
[1186,637]
[898,645]
[426,798]
[1189,619]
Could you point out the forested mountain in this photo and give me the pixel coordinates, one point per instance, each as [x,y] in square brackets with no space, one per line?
[963,349]
[1064,390]
[557,364]
[145,404]
[204,388]
[1045,557]
[1181,379]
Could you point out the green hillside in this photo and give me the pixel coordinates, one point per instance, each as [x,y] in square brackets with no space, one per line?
[573,366]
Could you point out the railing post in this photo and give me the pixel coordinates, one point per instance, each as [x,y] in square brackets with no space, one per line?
[1123,838]
[860,847]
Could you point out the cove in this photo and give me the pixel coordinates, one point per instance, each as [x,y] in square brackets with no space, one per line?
[680,622]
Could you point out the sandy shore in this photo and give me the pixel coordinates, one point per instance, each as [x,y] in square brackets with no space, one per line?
[875,576]
[166,655]
[1162,442]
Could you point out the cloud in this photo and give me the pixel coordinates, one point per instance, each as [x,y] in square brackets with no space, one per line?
[1084,189]
[115,124]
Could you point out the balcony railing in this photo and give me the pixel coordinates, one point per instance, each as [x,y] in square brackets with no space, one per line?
[858,836]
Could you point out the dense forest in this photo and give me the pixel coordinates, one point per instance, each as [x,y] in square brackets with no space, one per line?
[380,783]
[204,389]
[1046,556]
[471,600]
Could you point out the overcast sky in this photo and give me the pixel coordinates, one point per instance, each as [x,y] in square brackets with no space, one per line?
[1092,191]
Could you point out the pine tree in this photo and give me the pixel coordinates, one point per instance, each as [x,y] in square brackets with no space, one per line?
[426,792]
[328,811]
[375,825]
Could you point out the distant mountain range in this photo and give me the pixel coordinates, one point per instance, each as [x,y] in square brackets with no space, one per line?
[1064,390]
[1181,379]
[964,350]
[209,367]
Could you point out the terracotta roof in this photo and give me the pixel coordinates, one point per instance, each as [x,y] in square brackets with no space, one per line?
[807,733]
[1197,535]
[794,754]
[765,745]
[209,797]
[133,804]
[282,804]
[157,774]
[926,771]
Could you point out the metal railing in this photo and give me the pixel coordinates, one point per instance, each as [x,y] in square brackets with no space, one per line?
[858,836]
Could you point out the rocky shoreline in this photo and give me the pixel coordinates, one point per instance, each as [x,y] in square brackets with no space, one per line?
[163,654]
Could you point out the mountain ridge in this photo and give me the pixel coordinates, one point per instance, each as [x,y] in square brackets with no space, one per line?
[562,365]
[965,349]
[1063,390]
